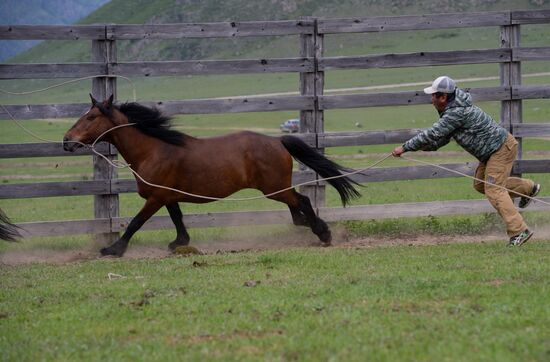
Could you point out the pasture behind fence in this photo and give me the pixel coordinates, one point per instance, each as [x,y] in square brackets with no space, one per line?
[312,102]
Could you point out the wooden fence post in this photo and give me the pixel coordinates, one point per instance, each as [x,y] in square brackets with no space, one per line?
[105,206]
[510,76]
[312,121]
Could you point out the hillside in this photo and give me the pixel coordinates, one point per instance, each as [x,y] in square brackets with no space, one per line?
[40,12]
[174,11]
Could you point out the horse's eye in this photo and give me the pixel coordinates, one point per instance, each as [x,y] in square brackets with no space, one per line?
[90,118]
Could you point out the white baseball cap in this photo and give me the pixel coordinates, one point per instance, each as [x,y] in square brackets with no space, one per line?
[442,84]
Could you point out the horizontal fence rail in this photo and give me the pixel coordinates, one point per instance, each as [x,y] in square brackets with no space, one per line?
[378,174]
[312,102]
[267,217]
[281,103]
[281,65]
[420,59]
[414,22]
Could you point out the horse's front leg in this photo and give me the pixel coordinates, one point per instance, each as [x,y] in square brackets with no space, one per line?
[182,237]
[119,247]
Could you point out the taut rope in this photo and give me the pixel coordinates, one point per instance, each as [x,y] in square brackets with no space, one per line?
[121,164]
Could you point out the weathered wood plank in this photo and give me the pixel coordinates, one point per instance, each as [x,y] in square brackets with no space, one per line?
[209,30]
[414,22]
[103,187]
[531,166]
[418,59]
[194,106]
[531,129]
[422,172]
[218,219]
[531,17]
[380,174]
[337,139]
[50,189]
[192,67]
[234,105]
[51,71]
[403,98]
[59,32]
[58,228]
[267,217]
[530,53]
[45,111]
[381,137]
[416,209]
[531,92]
[105,206]
[46,150]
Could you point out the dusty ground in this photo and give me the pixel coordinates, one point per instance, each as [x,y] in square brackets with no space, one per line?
[301,240]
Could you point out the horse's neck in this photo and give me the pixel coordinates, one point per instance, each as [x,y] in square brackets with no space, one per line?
[133,145]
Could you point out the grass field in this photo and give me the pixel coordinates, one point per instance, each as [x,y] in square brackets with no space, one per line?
[462,302]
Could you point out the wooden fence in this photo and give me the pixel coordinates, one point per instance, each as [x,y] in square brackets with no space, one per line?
[312,102]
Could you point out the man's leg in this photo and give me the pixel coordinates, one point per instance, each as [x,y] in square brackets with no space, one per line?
[516,184]
[497,172]
[480,174]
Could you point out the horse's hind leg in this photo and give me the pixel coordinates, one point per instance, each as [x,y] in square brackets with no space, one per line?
[303,214]
[182,237]
[298,217]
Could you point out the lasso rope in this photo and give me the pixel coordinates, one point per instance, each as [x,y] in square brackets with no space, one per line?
[474,178]
[121,164]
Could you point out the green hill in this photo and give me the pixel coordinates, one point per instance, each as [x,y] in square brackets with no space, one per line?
[175,11]
[40,12]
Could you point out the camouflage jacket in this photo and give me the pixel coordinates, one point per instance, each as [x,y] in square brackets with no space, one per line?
[467,124]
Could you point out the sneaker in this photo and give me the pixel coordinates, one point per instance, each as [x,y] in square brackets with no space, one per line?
[525,201]
[521,238]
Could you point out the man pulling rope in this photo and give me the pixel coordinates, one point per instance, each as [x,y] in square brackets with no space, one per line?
[494,147]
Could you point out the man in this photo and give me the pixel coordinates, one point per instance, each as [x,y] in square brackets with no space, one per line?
[491,144]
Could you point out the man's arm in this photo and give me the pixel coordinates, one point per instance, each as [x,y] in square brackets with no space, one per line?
[433,138]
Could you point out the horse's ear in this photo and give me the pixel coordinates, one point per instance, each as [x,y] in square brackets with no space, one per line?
[94,101]
[109,102]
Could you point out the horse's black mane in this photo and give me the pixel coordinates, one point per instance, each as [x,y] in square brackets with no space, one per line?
[151,122]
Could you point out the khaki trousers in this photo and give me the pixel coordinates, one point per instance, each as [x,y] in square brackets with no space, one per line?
[496,171]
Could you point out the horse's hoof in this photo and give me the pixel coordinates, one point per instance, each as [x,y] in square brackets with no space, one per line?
[110,251]
[325,237]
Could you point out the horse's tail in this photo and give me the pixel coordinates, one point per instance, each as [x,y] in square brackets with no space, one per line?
[323,166]
[8,231]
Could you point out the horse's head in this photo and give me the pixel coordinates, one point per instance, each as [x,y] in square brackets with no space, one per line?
[91,125]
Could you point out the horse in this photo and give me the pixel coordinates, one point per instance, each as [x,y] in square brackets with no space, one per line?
[214,167]
[8,231]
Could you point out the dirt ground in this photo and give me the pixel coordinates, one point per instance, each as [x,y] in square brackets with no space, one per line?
[300,240]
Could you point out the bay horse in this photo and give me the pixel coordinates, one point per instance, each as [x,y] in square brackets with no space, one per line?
[214,167]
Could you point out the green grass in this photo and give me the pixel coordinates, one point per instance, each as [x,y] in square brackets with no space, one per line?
[462,302]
